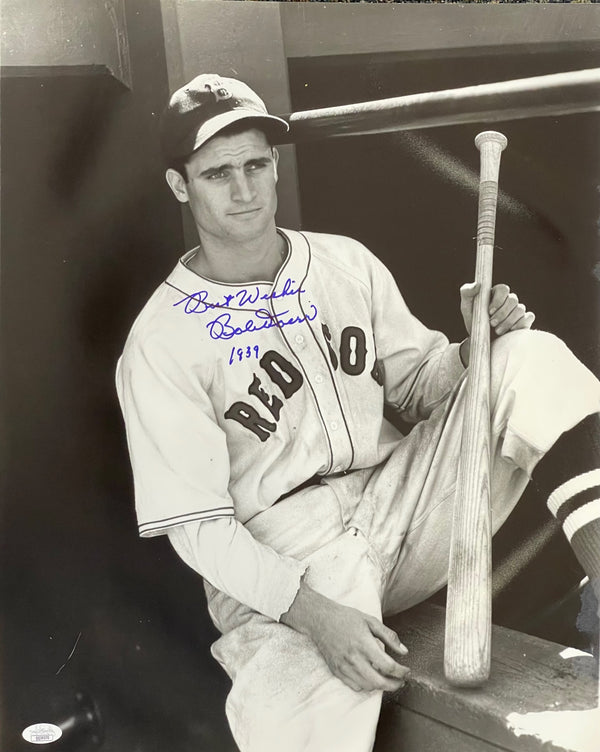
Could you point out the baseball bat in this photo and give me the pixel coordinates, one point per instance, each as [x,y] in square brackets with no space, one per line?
[536,96]
[467,646]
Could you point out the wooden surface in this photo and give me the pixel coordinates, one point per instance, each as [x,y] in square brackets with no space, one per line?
[469,603]
[65,33]
[52,71]
[536,96]
[528,676]
[402,730]
[315,29]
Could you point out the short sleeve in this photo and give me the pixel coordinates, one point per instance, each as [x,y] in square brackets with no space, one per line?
[178,451]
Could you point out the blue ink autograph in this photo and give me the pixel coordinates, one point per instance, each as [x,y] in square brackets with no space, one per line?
[221,328]
[241,353]
[198,302]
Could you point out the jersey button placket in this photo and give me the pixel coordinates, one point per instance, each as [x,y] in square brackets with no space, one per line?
[302,338]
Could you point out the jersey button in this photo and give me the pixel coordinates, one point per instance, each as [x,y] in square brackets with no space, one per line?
[319,378]
[299,339]
[334,425]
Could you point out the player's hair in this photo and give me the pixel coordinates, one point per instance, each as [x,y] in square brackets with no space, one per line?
[179,164]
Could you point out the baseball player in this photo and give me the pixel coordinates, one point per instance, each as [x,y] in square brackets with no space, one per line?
[252,386]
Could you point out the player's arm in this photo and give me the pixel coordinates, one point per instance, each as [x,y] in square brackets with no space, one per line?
[352,643]
[420,366]
[226,554]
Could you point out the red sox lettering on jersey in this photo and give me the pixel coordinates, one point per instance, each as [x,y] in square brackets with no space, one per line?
[283,374]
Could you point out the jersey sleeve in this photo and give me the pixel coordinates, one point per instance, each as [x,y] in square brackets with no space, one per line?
[227,556]
[178,451]
[419,366]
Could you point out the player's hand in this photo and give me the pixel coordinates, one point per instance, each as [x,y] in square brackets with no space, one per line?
[361,651]
[506,312]
[358,649]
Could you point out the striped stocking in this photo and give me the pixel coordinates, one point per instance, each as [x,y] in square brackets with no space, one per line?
[576,505]
[571,471]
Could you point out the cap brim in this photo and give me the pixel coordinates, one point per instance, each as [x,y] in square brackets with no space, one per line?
[217,123]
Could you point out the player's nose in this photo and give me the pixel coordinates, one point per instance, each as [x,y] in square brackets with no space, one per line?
[241,188]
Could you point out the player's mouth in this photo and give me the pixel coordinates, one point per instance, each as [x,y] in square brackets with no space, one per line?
[245,213]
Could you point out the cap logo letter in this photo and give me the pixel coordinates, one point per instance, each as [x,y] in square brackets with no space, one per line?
[219,92]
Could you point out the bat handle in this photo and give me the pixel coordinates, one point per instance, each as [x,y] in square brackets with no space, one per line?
[467,648]
[491,144]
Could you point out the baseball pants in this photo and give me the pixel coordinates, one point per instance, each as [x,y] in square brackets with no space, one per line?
[378,540]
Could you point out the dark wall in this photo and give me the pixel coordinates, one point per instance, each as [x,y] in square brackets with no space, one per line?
[89,229]
[412,198]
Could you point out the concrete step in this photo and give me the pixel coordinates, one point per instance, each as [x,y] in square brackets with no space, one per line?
[541,696]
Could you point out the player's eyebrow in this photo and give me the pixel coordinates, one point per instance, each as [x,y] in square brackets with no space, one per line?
[258,161]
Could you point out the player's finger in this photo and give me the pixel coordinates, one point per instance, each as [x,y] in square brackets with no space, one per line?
[393,670]
[498,297]
[372,678]
[382,662]
[501,313]
[524,322]
[527,321]
[346,672]
[387,666]
[350,680]
[511,320]
[389,638]
[511,302]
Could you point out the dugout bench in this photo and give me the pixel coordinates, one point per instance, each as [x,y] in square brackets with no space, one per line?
[541,696]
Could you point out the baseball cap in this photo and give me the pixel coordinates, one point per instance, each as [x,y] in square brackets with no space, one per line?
[206,105]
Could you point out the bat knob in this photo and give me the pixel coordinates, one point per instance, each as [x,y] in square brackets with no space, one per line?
[487,136]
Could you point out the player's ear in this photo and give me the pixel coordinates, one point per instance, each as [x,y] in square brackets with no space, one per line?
[177,184]
[275,162]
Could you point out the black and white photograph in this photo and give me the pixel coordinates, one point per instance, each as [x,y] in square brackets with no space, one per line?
[300,325]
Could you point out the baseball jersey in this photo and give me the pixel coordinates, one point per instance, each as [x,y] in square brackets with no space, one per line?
[235,394]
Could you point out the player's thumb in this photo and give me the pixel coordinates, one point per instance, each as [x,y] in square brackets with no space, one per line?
[468,291]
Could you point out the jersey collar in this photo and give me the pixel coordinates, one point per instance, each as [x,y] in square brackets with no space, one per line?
[294,267]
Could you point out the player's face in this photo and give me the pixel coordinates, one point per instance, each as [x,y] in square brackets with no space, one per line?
[231,187]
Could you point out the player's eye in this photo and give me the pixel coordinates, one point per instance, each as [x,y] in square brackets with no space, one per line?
[217,175]
[256,165]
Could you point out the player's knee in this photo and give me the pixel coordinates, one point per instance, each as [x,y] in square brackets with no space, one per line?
[525,358]
[538,348]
